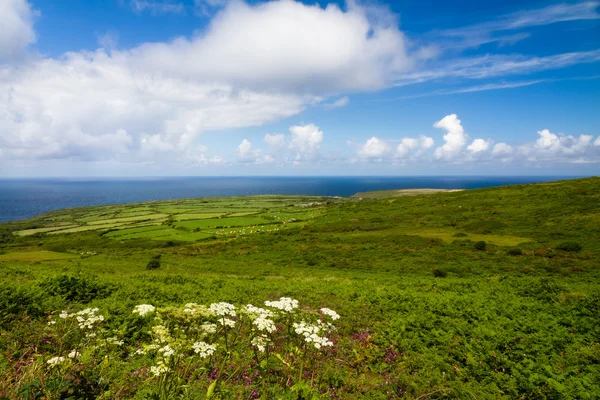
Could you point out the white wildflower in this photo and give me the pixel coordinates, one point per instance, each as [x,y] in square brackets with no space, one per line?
[64,314]
[332,314]
[115,341]
[140,352]
[166,351]
[284,303]
[159,369]
[227,322]
[55,361]
[311,334]
[51,323]
[74,354]
[204,349]
[260,342]
[223,309]
[143,309]
[208,328]
[265,324]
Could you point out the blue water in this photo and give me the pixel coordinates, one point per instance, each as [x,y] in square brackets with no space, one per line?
[24,198]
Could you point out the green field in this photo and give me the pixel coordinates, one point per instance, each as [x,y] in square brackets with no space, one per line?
[479,294]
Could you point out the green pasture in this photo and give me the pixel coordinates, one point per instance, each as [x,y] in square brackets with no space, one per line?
[426,312]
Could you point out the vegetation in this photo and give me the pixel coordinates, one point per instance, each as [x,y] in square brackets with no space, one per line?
[423,313]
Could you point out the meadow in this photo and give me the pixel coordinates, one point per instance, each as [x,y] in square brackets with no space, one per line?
[478,294]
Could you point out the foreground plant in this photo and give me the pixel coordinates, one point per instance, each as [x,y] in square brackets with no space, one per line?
[220,347]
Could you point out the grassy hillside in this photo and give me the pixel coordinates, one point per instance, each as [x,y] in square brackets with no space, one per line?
[490,293]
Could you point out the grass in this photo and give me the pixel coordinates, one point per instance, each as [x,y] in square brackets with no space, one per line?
[36,256]
[423,313]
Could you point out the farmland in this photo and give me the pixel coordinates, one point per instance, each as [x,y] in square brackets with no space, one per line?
[490,293]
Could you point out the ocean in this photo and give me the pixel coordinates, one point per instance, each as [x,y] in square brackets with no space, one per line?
[25,198]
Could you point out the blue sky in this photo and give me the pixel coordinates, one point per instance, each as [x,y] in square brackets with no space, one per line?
[218,87]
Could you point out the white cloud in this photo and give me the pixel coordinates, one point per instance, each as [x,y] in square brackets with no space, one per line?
[157,6]
[246,153]
[455,138]
[254,64]
[306,142]
[275,141]
[502,150]
[407,145]
[597,142]
[551,145]
[479,145]
[374,149]
[341,102]
[16,19]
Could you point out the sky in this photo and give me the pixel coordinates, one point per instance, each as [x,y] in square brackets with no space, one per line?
[230,87]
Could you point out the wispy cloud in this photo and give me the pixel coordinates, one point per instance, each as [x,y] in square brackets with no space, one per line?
[341,102]
[502,29]
[157,7]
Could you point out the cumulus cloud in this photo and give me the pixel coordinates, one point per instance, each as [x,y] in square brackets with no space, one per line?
[597,142]
[16,19]
[407,145]
[305,142]
[502,150]
[252,65]
[246,153]
[556,147]
[374,149]
[276,142]
[455,137]
[479,145]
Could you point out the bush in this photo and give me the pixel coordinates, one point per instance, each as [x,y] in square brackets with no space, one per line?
[438,273]
[154,262]
[459,234]
[481,245]
[514,252]
[77,288]
[569,246]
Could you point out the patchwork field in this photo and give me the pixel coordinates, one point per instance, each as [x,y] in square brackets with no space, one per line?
[478,294]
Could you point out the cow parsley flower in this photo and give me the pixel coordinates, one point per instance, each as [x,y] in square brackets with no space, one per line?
[143,309]
[260,342]
[332,314]
[115,341]
[55,361]
[227,322]
[284,303]
[159,369]
[223,309]
[204,349]
[311,334]
[208,328]
[265,324]
[166,351]
[64,314]
[74,354]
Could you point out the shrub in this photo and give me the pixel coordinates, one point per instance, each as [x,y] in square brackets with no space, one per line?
[438,273]
[514,252]
[459,234]
[481,245]
[77,288]
[154,262]
[569,246]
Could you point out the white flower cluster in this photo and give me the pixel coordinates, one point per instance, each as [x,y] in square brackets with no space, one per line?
[159,369]
[208,328]
[74,354]
[227,322]
[261,318]
[260,342]
[87,318]
[167,351]
[223,309]
[143,309]
[265,324]
[311,334]
[284,303]
[55,361]
[204,349]
[332,314]
[115,341]
[162,333]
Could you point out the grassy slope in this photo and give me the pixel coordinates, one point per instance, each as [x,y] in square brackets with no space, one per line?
[495,326]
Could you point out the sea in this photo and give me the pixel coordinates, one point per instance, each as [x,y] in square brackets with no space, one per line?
[25,198]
